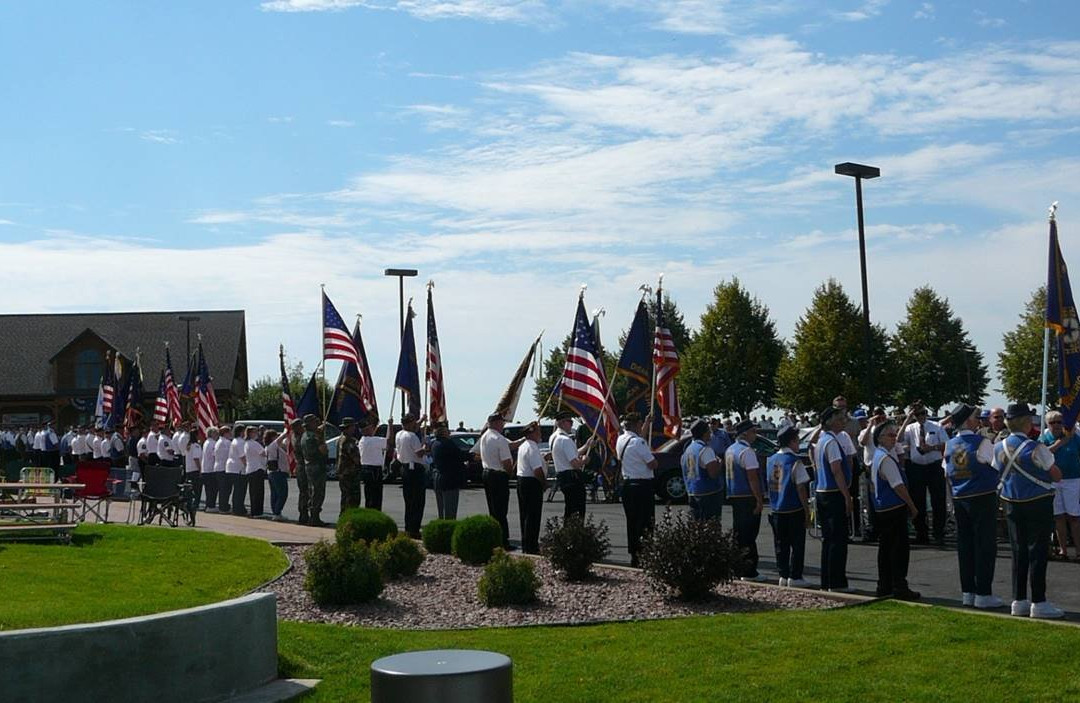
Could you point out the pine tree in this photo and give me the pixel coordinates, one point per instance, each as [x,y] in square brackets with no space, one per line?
[1021,356]
[732,361]
[827,356]
[933,358]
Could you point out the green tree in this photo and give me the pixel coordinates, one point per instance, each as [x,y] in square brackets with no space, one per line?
[732,361]
[680,333]
[827,356]
[552,372]
[1021,356]
[933,358]
[263,401]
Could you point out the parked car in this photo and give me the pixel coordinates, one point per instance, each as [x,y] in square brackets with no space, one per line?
[466,441]
[670,486]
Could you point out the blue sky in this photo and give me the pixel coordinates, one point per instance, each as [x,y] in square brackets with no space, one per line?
[238,154]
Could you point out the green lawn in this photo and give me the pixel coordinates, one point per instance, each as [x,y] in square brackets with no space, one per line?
[115,571]
[882,652]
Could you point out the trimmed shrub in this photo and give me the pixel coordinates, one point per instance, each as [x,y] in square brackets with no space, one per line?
[438,535]
[688,558]
[508,581]
[476,538]
[398,556]
[575,545]
[342,573]
[365,524]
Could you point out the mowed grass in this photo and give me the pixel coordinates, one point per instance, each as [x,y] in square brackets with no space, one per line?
[117,571]
[880,652]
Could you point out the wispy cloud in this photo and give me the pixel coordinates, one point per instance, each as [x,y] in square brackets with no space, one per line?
[984,20]
[159,136]
[341,123]
[926,11]
[866,10]
[522,11]
[280,119]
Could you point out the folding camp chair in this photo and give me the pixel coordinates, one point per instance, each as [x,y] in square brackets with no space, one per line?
[94,476]
[160,497]
[36,474]
[122,489]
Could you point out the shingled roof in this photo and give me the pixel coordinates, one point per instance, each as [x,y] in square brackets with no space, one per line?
[31,341]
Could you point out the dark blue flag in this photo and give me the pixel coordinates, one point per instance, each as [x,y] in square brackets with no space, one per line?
[309,401]
[347,400]
[1061,317]
[407,377]
[636,366]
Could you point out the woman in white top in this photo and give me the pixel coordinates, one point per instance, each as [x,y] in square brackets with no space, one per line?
[277,468]
[235,469]
[530,488]
[255,471]
[207,469]
[193,471]
[226,481]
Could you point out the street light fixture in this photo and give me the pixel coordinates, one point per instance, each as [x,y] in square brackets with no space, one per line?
[401,275]
[859,172]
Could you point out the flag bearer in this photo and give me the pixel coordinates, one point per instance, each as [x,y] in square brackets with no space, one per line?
[568,462]
[410,452]
[638,472]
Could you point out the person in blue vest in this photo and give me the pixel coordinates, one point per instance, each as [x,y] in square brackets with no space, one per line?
[833,476]
[701,473]
[969,458]
[745,495]
[788,499]
[1065,445]
[893,505]
[1028,474]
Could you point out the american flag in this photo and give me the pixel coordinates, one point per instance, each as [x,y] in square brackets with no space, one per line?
[133,412]
[436,391]
[337,342]
[288,408]
[666,363]
[367,389]
[108,387]
[206,407]
[583,385]
[172,395]
[161,406]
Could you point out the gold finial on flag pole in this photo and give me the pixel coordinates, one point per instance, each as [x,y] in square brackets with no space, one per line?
[584,287]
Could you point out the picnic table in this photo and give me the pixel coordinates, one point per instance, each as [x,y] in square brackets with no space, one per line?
[38,511]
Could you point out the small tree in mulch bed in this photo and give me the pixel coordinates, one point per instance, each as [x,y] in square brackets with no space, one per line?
[574,545]
[476,538]
[508,581]
[342,573]
[365,524]
[688,558]
[438,535]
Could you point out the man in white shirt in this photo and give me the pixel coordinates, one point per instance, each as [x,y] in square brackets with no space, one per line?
[372,459]
[235,467]
[50,447]
[277,472]
[638,472]
[78,445]
[568,462]
[208,470]
[152,443]
[410,452]
[498,462]
[193,471]
[97,444]
[530,488]
[926,441]
[166,453]
[225,481]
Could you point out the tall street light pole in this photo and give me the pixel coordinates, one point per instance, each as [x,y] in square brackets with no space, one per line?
[401,275]
[859,172]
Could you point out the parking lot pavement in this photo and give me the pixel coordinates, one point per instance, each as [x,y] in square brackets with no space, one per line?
[933,570]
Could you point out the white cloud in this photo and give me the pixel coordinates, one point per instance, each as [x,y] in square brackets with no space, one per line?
[985,20]
[280,119]
[159,136]
[486,10]
[6,222]
[865,11]
[341,123]
[926,11]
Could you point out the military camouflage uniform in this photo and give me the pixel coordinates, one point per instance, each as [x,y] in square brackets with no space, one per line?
[312,447]
[348,472]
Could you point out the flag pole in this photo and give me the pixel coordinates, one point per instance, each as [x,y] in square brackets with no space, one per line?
[427,358]
[652,386]
[322,362]
[1046,347]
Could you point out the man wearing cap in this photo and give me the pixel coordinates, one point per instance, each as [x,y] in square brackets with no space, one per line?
[788,500]
[410,451]
[996,430]
[568,462]
[530,488]
[372,448]
[448,469]
[1065,445]
[498,462]
[638,472]
[313,447]
[833,469]
[894,506]
[701,474]
[348,465]
[292,444]
[1027,475]
[745,494]
[969,459]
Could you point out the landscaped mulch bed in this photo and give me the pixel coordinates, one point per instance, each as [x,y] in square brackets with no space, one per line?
[443,596]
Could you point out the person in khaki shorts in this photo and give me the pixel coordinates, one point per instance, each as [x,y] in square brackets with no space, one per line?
[1065,445]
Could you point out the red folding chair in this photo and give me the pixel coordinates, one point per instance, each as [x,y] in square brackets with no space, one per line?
[94,475]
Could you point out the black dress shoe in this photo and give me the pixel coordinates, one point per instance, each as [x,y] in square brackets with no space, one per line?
[883,593]
[907,594]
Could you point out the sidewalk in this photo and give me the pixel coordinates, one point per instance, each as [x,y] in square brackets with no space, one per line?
[277,532]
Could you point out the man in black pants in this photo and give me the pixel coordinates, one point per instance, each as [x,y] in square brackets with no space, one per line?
[568,462]
[498,462]
[410,452]
[372,459]
[745,491]
[638,472]
[925,441]
[530,489]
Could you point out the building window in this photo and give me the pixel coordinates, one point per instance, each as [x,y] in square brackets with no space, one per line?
[89,366]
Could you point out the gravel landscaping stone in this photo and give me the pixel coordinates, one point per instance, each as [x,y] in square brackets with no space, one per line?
[442,596]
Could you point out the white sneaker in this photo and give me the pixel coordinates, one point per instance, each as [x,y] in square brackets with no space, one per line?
[988,602]
[1021,608]
[1046,610]
[969,599]
[798,583]
[784,582]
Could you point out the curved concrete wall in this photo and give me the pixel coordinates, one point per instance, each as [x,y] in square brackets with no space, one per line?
[209,653]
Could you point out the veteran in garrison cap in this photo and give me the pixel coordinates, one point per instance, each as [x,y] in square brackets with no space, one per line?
[348,465]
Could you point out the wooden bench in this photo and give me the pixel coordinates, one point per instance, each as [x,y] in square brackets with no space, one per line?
[38,519]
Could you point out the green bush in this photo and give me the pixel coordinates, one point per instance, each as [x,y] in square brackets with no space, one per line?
[575,545]
[342,573]
[398,556]
[438,536]
[476,538]
[688,558]
[365,524]
[508,581]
